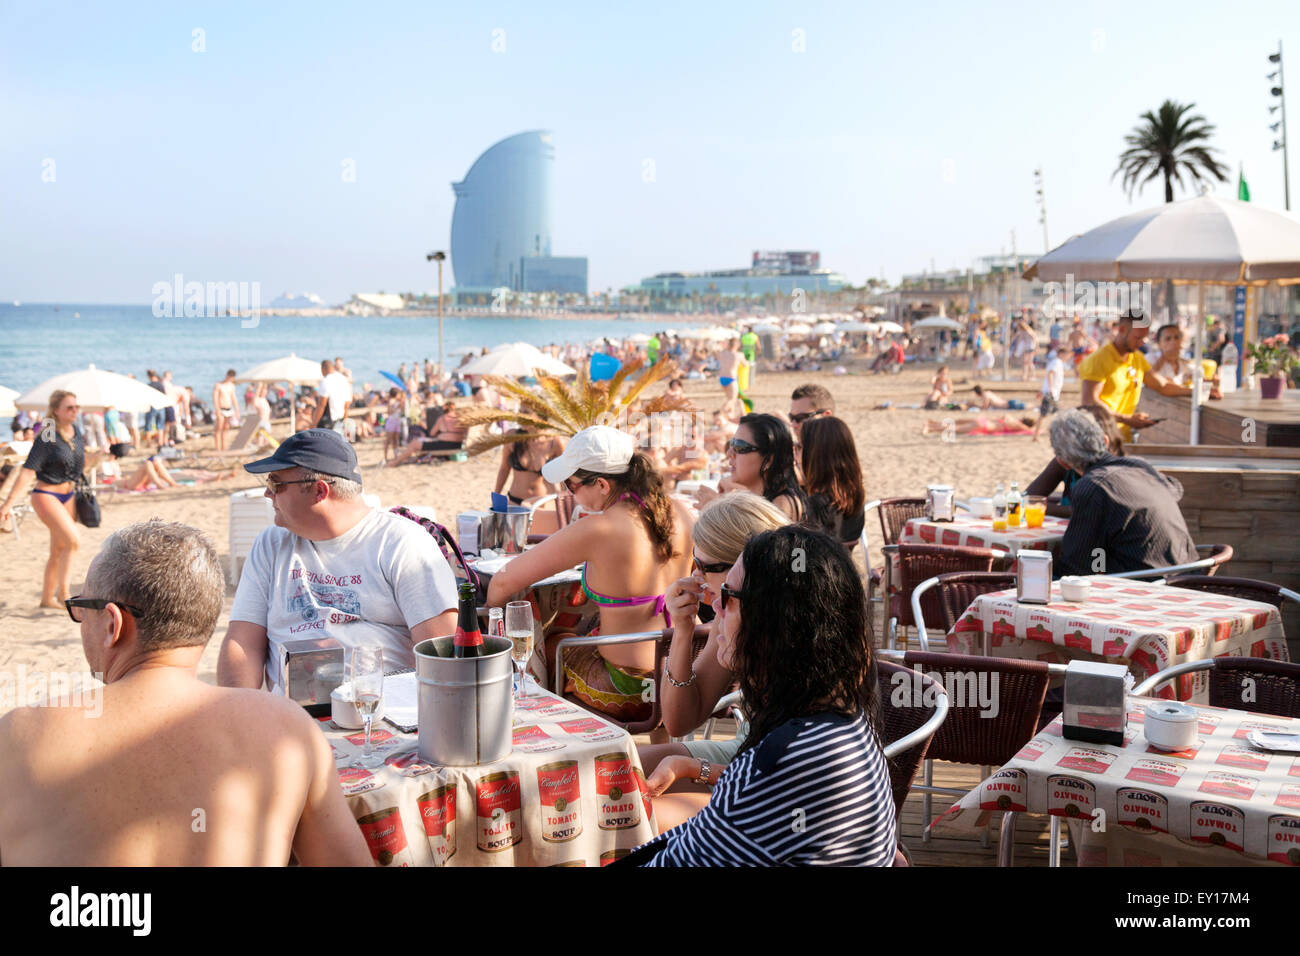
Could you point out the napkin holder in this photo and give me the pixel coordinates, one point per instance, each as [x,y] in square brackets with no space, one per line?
[1034,576]
[298,663]
[468,525]
[1095,695]
[939,502]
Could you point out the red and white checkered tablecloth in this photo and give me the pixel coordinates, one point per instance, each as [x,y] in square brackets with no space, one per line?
[1219,802]
[968,531]
[1147,626]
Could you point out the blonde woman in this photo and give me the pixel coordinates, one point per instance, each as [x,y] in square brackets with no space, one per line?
[56,461]
[691,687]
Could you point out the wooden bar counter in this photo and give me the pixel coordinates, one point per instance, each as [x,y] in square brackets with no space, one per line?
[1245,496]
[1227,420]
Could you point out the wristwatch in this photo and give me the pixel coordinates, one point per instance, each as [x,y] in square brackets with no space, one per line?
[703,778]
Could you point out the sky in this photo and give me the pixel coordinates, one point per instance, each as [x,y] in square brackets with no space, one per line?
[215,140]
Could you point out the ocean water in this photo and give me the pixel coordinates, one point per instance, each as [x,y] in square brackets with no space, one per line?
[37,341]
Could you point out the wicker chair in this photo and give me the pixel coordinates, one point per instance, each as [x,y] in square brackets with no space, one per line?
[663,641]
[563,513]
[916,564]
[1275,685]
[1265,592]
[907,730]
[956,592]
[896,512]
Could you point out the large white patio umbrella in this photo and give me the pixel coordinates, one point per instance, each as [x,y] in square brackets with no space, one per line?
[1203,241]
[7,396]
[937,322]
[292,369]
[893,328]
[516,360]
[96,390]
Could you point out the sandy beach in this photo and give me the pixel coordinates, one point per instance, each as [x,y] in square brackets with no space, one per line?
[897,460]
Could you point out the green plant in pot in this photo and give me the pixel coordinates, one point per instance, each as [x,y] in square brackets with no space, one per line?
[1273,360]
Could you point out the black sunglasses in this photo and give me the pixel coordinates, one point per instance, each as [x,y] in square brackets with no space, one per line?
[573,490]
[728,592]
[802,417]
[720,567]
[95,604]
[275,487]
[742,447]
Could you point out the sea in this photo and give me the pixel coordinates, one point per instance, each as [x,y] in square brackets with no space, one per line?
[41,340]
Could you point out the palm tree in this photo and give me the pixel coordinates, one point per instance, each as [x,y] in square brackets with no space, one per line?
[558,409]
[1170,143]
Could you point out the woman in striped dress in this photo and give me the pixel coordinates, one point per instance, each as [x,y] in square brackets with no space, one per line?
[810,785]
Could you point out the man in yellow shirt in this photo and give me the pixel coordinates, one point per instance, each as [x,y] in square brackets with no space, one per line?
[1114,375]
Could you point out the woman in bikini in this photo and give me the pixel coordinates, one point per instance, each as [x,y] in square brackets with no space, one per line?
[521,464]
[56,461]
[635,542]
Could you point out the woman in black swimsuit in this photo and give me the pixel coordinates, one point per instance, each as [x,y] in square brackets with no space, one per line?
[521,464]
[56,461]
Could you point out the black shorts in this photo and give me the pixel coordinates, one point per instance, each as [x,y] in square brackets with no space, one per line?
[431,445]
[1047,407]
[170,415]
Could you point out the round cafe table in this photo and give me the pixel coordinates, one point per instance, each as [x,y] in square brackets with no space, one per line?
[571,793]
[967,531]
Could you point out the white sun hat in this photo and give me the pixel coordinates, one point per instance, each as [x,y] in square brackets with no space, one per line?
[599,449]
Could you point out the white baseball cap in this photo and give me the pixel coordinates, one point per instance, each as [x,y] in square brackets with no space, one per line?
[600,449]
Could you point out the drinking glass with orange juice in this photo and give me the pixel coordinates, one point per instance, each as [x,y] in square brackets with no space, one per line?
[1035,510]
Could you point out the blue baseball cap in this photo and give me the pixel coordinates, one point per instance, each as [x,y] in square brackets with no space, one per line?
[316,449]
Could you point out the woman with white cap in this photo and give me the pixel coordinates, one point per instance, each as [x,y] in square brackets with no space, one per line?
[633,543]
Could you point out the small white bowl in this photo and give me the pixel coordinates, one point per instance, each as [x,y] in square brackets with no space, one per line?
[1075,589]
[344,712]
[981,507]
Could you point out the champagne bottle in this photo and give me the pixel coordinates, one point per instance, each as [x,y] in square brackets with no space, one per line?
[468,641]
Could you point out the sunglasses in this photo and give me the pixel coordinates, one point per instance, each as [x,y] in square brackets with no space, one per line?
[742,447]
[275,487]
[572,488]
[728,592]
[75,604]
[802,417]
[718,568]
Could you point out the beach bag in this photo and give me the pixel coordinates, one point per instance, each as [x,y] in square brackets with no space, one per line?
[446,543]
[87,505]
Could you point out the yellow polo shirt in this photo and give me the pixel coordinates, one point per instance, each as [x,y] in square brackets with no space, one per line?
[1121,379]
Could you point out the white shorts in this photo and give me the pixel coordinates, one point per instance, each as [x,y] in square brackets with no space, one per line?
[986,360]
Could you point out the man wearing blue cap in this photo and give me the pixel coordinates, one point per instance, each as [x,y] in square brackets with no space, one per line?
[331,567]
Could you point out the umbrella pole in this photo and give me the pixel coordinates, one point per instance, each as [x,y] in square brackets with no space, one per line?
[1197,372]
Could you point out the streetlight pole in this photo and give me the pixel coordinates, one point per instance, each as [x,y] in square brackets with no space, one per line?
[439,257]
[1042,207]
[1280,92]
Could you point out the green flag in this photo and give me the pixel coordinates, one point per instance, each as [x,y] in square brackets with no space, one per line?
[1243,191]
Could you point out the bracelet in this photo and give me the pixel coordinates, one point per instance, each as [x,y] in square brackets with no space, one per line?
[678,683]
[705,771]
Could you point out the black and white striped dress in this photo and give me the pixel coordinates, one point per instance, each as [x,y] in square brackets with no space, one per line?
[815,791]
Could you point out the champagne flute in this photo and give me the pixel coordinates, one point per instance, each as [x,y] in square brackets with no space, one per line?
[366,672]
[519,628]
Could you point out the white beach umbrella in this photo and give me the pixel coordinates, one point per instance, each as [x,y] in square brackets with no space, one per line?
[893,328]
[292,369]
[937,322]
[516,360]
[638,338]
[825,328]
[798,328]
[766,327]
[857,327]
[7,396]
[96,390]
[1203,241]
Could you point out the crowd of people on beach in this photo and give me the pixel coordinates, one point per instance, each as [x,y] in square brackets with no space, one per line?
[759,553]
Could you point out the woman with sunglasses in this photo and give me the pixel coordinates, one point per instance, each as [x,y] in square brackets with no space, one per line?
[55,463]
[832,476]
[761,460]
[793,625]
[721,532]
[633,543]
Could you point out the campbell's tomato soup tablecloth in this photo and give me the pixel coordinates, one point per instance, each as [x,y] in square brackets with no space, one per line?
[968,531]
[1147,626]
[571,793]
[1220,802]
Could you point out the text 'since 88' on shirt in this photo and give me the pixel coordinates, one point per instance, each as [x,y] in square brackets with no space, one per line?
[371,584]
[815,791]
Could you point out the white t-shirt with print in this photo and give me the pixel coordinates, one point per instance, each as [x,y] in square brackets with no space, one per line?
[336,387]
[1054,380]
[371,584]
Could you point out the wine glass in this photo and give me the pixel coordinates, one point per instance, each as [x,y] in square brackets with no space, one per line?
[519,628]
[366,673]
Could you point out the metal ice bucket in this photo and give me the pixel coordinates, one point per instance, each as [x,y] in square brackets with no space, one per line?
[465,704]
[506,531]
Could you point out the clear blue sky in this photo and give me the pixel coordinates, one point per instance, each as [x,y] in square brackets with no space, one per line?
[903,133]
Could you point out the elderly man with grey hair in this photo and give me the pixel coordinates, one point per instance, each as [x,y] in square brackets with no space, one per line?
[332,567]
[171,771]
[1125,513]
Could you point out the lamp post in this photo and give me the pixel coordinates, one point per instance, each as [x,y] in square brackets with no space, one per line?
[1280,92]
[439,257]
